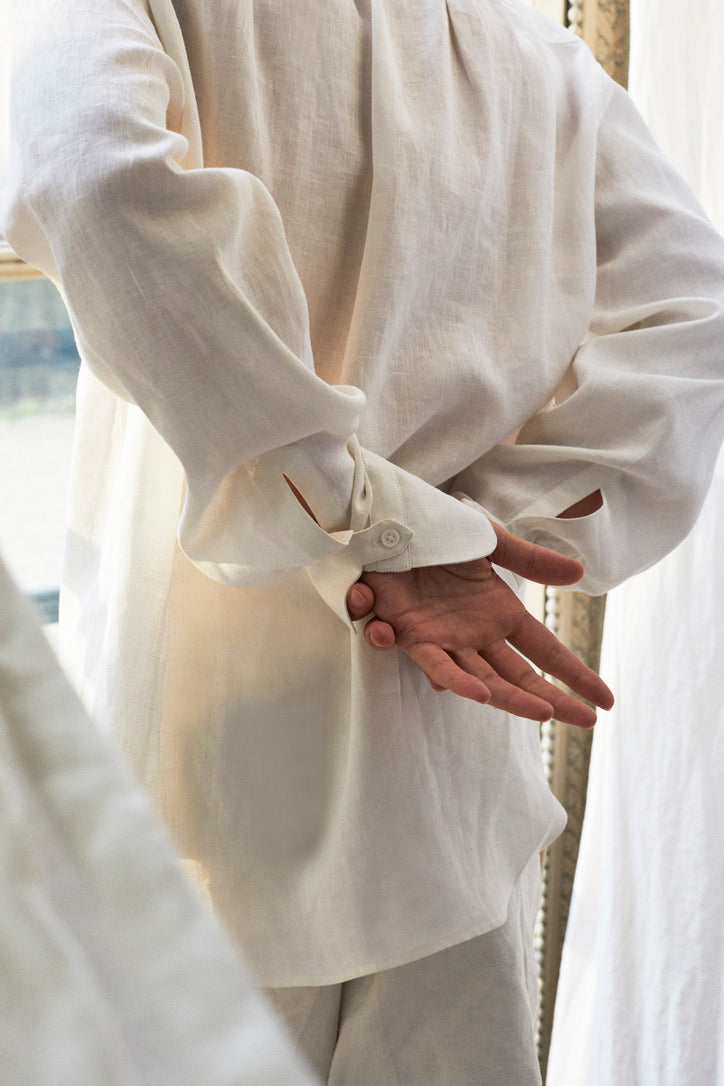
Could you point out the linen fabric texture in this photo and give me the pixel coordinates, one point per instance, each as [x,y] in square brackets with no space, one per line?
[641,996]
[395,1027]
[423,260]
[114,969]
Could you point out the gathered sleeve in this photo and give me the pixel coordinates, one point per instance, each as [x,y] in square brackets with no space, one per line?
[640,415]
[185,301]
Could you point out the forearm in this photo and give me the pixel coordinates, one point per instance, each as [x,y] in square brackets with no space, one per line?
[185,300]
[640,420]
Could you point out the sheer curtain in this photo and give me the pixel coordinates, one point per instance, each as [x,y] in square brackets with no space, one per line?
[641,992]
[114,973]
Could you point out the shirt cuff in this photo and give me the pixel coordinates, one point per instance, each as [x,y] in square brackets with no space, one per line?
[409,523]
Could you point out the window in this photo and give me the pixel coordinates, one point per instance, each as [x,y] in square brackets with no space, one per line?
[38,371]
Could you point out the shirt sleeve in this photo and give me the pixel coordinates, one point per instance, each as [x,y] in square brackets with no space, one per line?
[640,415]
[185,301]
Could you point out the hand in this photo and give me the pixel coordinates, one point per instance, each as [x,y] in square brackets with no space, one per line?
[461,624]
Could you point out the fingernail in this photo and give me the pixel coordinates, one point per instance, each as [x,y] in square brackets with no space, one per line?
[356,597]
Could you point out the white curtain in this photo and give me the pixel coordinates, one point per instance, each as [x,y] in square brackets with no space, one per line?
[641,993]
[112,971]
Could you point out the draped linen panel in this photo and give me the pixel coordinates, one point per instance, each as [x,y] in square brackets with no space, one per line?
[639,999]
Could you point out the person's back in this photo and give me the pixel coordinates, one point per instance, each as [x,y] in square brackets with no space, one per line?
[433,204]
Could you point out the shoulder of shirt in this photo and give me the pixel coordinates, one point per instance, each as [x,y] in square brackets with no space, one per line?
[542,46]
[524,23]
[528,20]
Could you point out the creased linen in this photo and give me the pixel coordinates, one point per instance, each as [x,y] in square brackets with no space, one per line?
[432,268]
[641,992]
[113,971]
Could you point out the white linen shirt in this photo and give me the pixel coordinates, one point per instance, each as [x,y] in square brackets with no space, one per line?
[424,260]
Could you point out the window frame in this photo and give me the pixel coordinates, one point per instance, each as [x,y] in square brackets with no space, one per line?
[13,267]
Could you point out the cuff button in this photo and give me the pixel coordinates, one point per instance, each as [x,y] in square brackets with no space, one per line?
[390,537]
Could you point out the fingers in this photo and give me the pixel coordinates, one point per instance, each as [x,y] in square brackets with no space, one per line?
[491,671]
[572,711]
[379,634]
[545,650]
[516,688]
[360,600]
[444,674]
[515,693]
[513,673]
[470,676]
[503,679]
[533,562]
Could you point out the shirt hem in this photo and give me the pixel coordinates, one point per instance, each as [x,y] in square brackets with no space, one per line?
[421,950]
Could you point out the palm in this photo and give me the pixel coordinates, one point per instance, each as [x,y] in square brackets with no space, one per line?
[466,629]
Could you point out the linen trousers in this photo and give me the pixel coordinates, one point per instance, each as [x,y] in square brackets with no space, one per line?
[462,1017]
